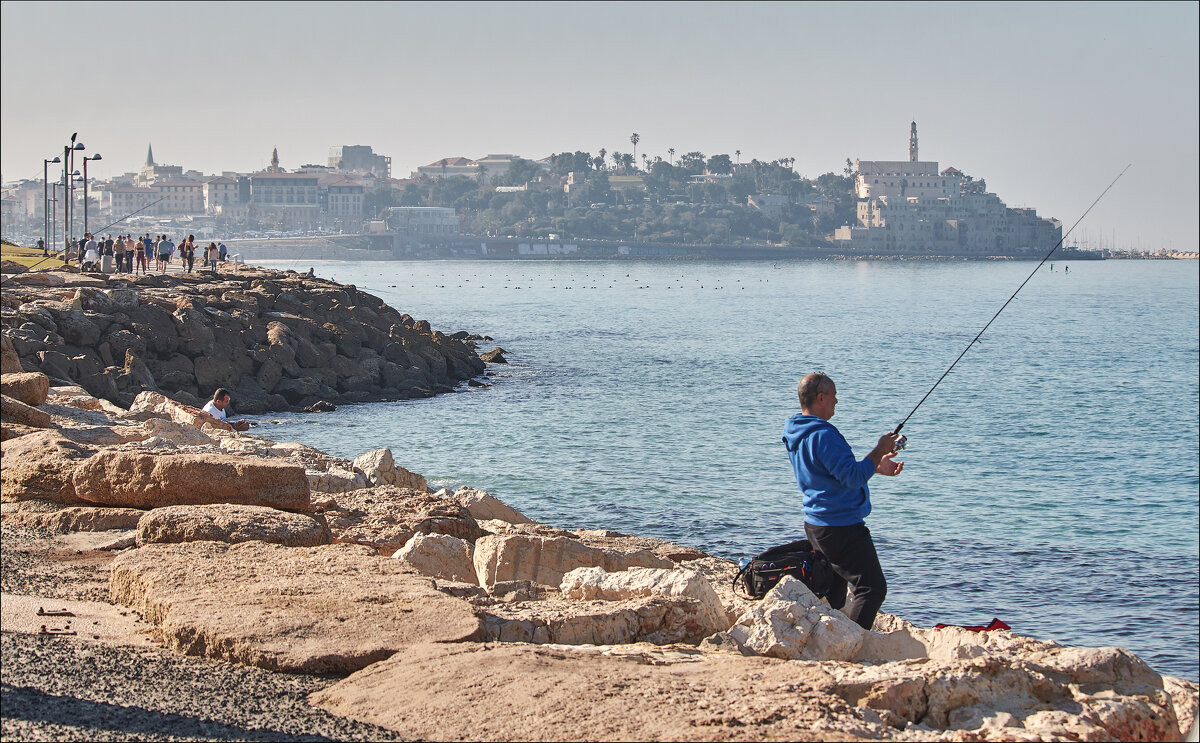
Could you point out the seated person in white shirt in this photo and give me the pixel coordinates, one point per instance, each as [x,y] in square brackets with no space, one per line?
[216,409]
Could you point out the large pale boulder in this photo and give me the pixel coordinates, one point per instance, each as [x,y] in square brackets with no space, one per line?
[381,469]
[720,574]
[30,388]
[529,692]
[597,584]
[615,541]
[791,623]
[484,506]
[638,692]
[224,522]
[336,480]
[76,518]
[149,405]
[180,434]
[660,620]
[545,560]
[331,610]
[439,556]
[40,466]
[387,517]
[10,362]
[141,480]
[15,411]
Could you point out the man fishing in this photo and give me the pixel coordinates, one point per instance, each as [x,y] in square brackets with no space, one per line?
[833,484]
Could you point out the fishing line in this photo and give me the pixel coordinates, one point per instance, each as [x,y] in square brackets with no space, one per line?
[1010,299]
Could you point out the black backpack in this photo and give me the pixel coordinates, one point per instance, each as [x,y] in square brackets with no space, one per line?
[797,559]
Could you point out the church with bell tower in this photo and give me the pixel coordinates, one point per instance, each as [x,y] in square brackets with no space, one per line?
[152,172]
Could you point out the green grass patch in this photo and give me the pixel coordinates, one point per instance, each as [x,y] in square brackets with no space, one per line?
[25,256]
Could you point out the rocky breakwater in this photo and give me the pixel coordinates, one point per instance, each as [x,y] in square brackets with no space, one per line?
[279,340]
[450,615]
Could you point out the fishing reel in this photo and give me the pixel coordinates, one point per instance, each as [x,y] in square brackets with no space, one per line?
[901,443]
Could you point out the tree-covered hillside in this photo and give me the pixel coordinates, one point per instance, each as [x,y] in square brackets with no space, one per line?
[698,199]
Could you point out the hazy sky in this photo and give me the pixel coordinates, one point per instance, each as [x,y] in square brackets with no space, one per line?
[1047,102]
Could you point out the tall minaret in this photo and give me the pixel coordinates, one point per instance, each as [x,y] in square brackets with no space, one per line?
[275,161]
[912,143]
[149,156]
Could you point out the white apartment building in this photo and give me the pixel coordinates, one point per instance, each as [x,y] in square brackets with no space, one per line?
[493,166]
[121,200]
[179,198]
[221,191]
[345,199]
[284,189]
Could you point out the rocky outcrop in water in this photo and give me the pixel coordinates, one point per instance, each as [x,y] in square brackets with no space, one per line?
[278,340]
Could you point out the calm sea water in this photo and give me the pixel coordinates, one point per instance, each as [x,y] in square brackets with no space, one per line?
[1051,480]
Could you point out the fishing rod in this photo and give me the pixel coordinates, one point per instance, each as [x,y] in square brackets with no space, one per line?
[901,441]
[130,214]
[55,254]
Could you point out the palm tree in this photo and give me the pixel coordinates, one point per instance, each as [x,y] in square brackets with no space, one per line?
[645,162]
[481,172]
[634,139]
[603,152]
[738,154]
[671,155]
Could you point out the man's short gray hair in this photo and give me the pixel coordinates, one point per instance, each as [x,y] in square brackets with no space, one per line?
[810,386]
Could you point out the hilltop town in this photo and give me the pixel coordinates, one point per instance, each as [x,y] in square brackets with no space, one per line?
[570,203]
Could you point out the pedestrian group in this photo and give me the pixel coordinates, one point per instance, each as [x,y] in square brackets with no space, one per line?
[131,254]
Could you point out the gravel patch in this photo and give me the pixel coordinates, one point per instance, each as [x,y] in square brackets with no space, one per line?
[65,688]
[71,688]
[38,562]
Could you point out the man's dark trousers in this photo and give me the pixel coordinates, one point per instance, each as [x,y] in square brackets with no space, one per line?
[851,552]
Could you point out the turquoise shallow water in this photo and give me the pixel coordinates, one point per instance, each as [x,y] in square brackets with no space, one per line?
[1051,480]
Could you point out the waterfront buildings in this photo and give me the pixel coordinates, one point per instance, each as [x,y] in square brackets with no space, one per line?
[910,206]
[425,221]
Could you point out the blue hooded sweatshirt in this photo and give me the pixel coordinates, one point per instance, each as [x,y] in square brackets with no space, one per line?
[832,481]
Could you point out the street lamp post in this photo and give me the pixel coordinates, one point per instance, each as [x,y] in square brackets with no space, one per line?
[46,203]
[85,189]
[54,215]
[69,213]
[69,185]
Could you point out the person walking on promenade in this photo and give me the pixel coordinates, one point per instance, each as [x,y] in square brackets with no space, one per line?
[119,253]
[222,251]
[187,253]
[42,246]
[833,484]
[139,249]
[212,255]
[90,260]
[164,252]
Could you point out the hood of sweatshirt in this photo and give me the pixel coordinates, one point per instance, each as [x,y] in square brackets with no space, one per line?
[799,426]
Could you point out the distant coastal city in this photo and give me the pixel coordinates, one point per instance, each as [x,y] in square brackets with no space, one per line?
[569,204]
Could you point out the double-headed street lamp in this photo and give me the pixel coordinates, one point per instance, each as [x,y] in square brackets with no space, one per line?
[46,203]
[85,189]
